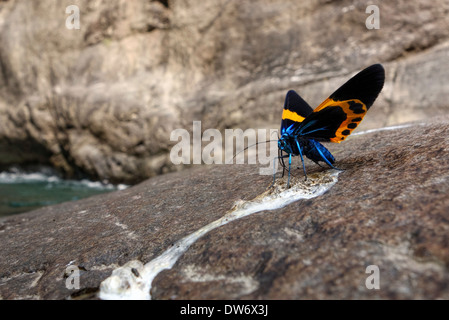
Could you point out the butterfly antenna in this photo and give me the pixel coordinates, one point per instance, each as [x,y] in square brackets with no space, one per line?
[251,146]
[276,132]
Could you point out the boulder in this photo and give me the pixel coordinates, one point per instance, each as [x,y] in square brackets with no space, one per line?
[388,210]
[102,100]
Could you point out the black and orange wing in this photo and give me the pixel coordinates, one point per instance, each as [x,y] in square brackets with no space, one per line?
[335,118]
[295,111]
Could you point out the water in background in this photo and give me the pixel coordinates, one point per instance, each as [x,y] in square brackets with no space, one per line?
[21,192]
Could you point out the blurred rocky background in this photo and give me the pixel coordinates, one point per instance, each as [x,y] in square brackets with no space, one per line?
[102,100]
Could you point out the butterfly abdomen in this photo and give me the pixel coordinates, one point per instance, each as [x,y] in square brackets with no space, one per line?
[315,151]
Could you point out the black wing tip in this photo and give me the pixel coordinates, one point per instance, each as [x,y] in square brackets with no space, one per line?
[291,96]
[373,70]
[294,102]
[376,66]
[364,86]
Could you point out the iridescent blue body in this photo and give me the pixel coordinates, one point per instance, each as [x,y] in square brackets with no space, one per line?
[312,149]
[294,144]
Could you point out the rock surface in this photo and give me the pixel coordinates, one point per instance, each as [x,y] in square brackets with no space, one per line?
[389,208]
[102,100]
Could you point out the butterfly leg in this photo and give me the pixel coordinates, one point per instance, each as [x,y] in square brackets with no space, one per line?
[274,171]
[302,160]
[333,167]
[283,168]
[318,164]
[327,160]
[281,158]
[281,161]
[289,169]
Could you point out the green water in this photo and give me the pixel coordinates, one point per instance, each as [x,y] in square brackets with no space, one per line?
[25,192]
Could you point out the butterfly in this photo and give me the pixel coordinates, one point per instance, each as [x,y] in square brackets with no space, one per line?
[302,128]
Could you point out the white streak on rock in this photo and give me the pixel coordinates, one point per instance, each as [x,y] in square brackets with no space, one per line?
[387,128]
[133,280]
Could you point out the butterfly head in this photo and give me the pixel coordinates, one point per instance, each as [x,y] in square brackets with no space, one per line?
[284,144]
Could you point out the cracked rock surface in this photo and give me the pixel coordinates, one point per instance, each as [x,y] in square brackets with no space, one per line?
[389,208]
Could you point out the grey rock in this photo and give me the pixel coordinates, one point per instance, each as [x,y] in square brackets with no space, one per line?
[101,101]
[389,208]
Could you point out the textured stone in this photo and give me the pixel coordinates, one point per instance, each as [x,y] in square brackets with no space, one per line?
[389,208]
[101,101]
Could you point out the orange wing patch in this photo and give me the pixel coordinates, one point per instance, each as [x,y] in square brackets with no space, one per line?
[354,109]
[291,115]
